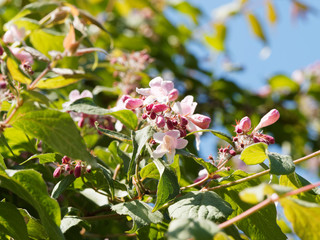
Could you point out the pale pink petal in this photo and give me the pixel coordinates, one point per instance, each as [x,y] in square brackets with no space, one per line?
[86,94]
[74,95]
[159,152]
[170,156]
[167,85]
[181,143]
[200,120]
[156,82]
[158,137]
[173,133]
[143,91]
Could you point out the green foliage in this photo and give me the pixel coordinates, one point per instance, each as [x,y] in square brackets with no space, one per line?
[254,154]
[61,186]
[204,205]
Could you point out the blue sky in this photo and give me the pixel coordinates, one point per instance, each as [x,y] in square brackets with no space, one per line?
[293,45]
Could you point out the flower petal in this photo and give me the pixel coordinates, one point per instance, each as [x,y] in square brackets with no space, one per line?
[173,133]
[156,82]
[181,143]
[159,152]
[144,91]
[158,137]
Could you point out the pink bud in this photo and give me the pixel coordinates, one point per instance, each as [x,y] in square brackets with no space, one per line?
[57,172]
[268,119]
[65,159]
[81,122]
[144,116]
[124,98]
[3,85]
[133,103]
[169,124]
[77,170]
[1,51]
[244,125]
[173,94]
[200,120]
[159,108]
[232,152]
[184,121]
[160,121]
[153,115]
[67,168]
[149,107]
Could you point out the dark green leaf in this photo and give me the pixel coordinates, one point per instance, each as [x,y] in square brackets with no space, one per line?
[11,222]
[36,7]
[35,229]
[140,212]
[66,138]
[113,134]
[43,158]
[23,183]
[108,176]
[168,186]
[150,171]
[207,205]
[281,164]
[186,228]
[62,185]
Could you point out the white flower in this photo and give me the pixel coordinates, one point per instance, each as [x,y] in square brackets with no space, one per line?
[169,142]
[75,95]
[14,34]
[160,90]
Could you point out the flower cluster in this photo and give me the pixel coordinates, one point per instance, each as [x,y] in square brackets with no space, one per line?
[242,129]
[159,108]
[68,166]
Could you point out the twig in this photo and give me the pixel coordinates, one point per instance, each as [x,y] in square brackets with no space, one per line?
[102,217]
[116,171]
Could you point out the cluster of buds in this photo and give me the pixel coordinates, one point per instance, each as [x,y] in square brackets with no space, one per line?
[242,129]
[128,68]
[5,93]
[68,166]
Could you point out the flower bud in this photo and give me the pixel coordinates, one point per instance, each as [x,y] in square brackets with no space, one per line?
[160,121]
[169,124]
[1,51]
[88,169]
[133,103]
[184,121]
[244,124]
[200,120]
[65,159]
[57,172]
[183,133]
[144,116]
[67,168]
[149,107]
[124,98]
[268,119]
[232,152]
[81,122]
[77,170]
[173,94]
[159,108]
[153,115]
[3,85]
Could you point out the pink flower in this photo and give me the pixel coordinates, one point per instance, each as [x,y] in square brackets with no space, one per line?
[133,103]
[74,95]
[169,142]
[23,56]
[160,90]
[268,119]
[196,122]
[244,125]
[14,34]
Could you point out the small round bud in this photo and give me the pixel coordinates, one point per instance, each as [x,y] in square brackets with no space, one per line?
[170,124]
[153,115]
[77,170]
[183,133]
[232,152]
[235,139]
[65,159]
[159,108]
[3,85]
[184,121]
[161,122]
[225,150]
[88,169]
[149,107]
[67,168]
[144,116]
[174,122]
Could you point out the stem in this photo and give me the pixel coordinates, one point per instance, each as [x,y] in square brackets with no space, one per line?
[41,75]
[116,171]
[265,203]
[312,155]
[196,184]
[139,183]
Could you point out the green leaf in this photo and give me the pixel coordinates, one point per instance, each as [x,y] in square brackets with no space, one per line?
[113,134]
[2,163]
[254,154]
[63,80]
[256,27]
[11,222]
[108,176]
[304,216]
[43,158]
[66,138]
[262,224]
[34,96]
[139,140]
[118,155]
[70,221]
[26,23]
[207,205]
[186,228]
[207,165]
[29,185]
[283,84]
[45,40]
[62,185]
[16,73]
[254,195]
[99,199]
[140,212]
[218,134]
[152,232]
[168,186]
[35,229]
[150,171]
[36,54]
[86,105]
[280,164]
[295,181]
[188,9]
[217,41]
[38,7]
